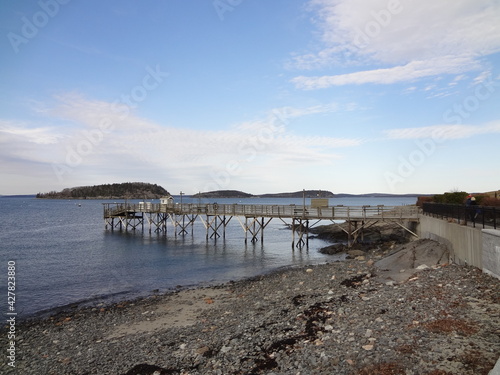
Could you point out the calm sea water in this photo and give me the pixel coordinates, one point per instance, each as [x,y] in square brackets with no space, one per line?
[64,255]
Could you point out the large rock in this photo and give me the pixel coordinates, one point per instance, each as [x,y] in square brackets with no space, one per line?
[411,258]
[356,253]
[338,248]
[377,233]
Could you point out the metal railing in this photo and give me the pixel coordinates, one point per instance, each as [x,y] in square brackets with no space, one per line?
[487,217]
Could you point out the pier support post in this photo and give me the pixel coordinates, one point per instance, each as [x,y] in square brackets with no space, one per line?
[349,234]
[301,226]
[262,231]
[246,229]
[131,216]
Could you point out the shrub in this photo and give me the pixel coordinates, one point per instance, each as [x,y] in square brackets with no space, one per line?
[489,201]
[422,200]
[456,197]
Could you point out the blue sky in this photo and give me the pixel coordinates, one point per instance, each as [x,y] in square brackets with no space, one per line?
[261,96]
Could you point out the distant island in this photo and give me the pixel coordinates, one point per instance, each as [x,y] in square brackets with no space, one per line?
[223,194]
[141,190]
[241,194]
[298,194]
[381,195]
[126,190]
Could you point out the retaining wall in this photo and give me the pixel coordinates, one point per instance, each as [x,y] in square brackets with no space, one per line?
[491,252]
[465,243]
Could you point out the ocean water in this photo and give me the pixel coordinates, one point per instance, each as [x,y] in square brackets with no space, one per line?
[64,256]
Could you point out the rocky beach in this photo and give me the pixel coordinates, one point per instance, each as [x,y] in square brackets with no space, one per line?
[368,315]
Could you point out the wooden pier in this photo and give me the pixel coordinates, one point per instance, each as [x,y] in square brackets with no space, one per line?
[252,218]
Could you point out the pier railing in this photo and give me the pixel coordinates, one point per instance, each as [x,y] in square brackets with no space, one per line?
[215,217]
[272,211]
[482,216]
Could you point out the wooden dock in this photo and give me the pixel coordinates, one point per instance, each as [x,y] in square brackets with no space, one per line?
[252,218]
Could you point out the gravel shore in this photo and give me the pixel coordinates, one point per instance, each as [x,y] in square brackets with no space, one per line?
[338,318]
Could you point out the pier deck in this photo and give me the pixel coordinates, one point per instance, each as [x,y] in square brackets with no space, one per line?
[252,218]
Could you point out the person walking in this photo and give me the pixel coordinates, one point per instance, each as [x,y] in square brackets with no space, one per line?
[475,209]
[468,201]
[469,211]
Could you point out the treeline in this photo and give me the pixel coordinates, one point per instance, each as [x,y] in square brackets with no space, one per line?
[460,197]
[223,194]
[241,194]
[301,194]
[127,190]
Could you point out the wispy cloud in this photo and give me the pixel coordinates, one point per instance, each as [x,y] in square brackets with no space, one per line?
[132,143]
[444,132]
[12,130]
[406,73]
[92,113]
[410,36]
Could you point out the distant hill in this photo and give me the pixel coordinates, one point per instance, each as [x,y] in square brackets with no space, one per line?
[300,194]
[127,190]
[381,195]
[240,194]
[223,194]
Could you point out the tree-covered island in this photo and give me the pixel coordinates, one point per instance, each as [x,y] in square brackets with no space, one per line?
[126,190]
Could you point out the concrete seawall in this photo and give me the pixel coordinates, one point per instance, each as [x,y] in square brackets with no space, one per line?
[464,243]
[491,252]
[473,246]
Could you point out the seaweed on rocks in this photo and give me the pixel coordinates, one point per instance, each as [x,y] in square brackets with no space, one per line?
[315,315]
[353,282]
[383,369]
[145,369]
[297,300]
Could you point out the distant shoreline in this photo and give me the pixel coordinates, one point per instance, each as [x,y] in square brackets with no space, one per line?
[301,194]
[94,198]
[19,196]
[342,195]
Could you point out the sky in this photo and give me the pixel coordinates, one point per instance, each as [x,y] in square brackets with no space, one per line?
[262,96]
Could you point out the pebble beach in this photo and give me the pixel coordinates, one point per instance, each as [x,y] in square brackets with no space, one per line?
[348,317]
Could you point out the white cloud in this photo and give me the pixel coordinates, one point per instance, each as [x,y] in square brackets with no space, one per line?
[461,77]
[401,31]
[11,130]
[246,143]
[483,76]
[109,142]
[94,113]
[406,73]
[410,35]
[444,132]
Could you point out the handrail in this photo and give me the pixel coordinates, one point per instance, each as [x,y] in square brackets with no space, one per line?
[482,215]
[284,211]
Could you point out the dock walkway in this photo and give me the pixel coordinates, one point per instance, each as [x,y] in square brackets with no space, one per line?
[252,218]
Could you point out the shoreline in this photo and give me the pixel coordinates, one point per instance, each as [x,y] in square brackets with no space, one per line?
[348,317]
[110,301]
